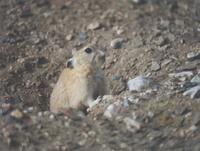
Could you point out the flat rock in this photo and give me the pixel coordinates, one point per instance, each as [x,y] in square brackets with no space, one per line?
[196,79]
[181,74]
[138,83]
[116,43]
[193,92]
[94,26]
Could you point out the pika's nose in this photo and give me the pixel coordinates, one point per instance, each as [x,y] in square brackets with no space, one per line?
[69,63]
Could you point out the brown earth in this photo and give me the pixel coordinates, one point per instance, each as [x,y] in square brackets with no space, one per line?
[36,39]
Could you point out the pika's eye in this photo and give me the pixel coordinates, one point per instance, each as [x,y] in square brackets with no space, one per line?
[88,50]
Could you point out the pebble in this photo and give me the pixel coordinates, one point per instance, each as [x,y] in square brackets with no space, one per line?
[82,142]
[69,37]
[194,92]
[193,56]
[155,66]
[161,41]
[133,100]
[137,1]
[138,83]
[16,114]
[150,114]
[116,43]
[40,114]
[92,133]
[30,109]
[181,74]
[46,112]
[125,102]
[132,124]
[196,79]
[111,111]
[123,145]
[94,26]
[82,36]
[52,117]
[115,78]
[166,62]
[67,124]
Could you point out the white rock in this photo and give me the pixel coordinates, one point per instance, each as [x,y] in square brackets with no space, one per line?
[181,74]
[111,110]
[132,124]
[52,117]
[94,26]
[138,83]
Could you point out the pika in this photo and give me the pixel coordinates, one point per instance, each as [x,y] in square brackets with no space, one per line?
[81,82]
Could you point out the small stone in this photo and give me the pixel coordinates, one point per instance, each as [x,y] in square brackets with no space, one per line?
[133,100]
[116,43]
[193,56]
[132,124]
[195,79]
[82,36]
[161,41]
[67,124]
[125,103]
[137,1]
[52,117]
[40,114]
[166,62]
[46,113]
[16,114]
[111,111]
[123,145]
[181,74]
[92,133]
[82,142]
[30,109]
[155,66]
[69,37]
[138,83]
[115,78]
[25,111]
[194,92]
[94,26]
[150,114]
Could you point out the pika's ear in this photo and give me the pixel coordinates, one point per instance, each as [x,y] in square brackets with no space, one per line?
[70,63]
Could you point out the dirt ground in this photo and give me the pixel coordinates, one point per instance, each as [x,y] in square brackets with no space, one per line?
[36,39]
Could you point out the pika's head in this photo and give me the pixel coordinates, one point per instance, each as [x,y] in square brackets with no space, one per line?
[86,56]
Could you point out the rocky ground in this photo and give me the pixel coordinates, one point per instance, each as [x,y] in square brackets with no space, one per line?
[152,65]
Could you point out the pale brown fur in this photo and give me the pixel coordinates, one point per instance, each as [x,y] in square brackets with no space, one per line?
[78,86]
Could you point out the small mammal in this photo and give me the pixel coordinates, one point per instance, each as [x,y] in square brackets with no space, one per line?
[80,82]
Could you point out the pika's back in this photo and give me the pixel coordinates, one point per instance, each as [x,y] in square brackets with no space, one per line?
[79,84]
